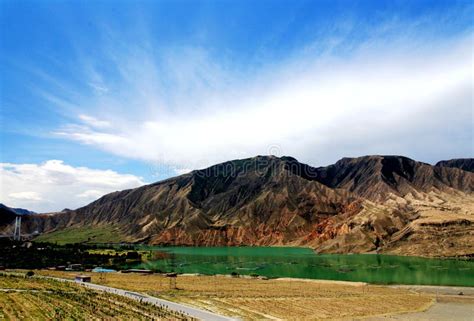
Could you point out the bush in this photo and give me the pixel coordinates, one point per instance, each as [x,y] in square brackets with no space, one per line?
[30,274]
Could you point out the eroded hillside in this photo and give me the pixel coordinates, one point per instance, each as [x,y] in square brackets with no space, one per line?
[375,203]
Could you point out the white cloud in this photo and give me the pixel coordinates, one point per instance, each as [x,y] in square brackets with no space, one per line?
[410,97]
[28,196]
[53,185]
[92,193]
[181,171]
[94,122]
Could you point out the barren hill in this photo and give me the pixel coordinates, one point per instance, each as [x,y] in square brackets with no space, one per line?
[376,177]
[373,203]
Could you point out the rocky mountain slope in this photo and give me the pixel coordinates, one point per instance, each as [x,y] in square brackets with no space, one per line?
[466,164]
[374,203]
[377,177]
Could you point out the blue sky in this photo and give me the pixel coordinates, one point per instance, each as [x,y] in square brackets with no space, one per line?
[134,92]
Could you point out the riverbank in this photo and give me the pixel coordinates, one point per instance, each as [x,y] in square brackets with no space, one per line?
[445,308]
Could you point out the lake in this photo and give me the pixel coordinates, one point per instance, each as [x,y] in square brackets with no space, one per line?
[304,263]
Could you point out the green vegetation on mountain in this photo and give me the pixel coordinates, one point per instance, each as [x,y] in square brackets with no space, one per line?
[82,234]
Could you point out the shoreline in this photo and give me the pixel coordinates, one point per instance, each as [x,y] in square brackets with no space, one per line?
[289,246]
[353,283]
[288,278]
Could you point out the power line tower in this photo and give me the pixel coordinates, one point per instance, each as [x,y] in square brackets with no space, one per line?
[17,231]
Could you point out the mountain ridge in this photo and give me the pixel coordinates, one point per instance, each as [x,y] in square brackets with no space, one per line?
[355,205]
[466,164]
[19,211]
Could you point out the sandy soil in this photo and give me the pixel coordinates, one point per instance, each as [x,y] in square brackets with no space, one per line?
[440,311]
[451,303]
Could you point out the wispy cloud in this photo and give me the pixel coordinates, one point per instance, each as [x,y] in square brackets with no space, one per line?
[354,89]
[376,100]
[53,185]
[27,196]
[347,82]
[94,122]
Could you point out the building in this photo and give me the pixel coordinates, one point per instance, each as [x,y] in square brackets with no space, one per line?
[83,278]
[74,267]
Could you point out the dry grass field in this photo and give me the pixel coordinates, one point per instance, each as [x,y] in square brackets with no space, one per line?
[255,299]
[40,299]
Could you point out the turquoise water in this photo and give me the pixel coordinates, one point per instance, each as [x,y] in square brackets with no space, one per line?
[304,263]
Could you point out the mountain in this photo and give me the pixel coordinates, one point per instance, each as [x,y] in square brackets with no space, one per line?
[409,207]
[466,164]
[30,220]
[388,204]
[19,211]
[376,177]
[7,216]
[251,201]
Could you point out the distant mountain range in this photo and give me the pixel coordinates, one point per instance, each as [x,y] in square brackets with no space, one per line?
[7,216]
[19,211]
[389,204]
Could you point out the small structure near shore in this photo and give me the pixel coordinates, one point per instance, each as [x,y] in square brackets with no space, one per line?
[82,278]
[74,267]
[102,270]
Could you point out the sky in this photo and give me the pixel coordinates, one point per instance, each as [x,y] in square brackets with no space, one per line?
[99,96]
